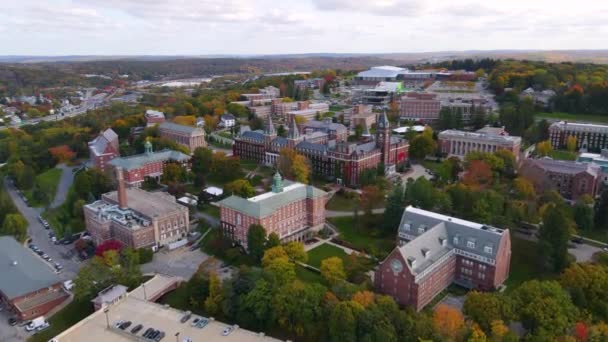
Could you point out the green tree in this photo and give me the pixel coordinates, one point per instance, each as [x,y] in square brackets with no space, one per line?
[588,287]
[554,236]
[295,251]
[215,297]
[421,146]
[173,173]
[259,302]
[299,309]
[241,188]
[273,240]
[279,272]
[394,208]
[485,308]
[14,225]
[583,213]
[332,270]
[201,161]
[544,306]
[343,321]
[256,241]
[92,278]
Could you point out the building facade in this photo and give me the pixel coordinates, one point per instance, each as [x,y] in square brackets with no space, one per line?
[435,251]
[154,117]
[149,164]
[294,211]
[28,286]
[571,179]
[333,158]
[588,136]
[191,137]
[424,107]
[103,149]
[455,143]
[136,218]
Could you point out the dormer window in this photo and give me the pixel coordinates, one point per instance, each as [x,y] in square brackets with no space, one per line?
[471,244]
[425,252]
[407,226]
[421,229]
[411,261]
[443,241]
[456,240]
[488,249]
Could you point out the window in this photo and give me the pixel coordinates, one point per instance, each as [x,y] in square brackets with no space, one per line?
[482,276]
[471,244]
[407,226]
[482,267]
[238,219]
[488,249]
[455,240]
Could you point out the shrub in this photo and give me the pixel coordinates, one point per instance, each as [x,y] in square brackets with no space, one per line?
[145,255]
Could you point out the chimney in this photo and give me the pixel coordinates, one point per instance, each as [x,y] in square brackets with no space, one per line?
[122,192]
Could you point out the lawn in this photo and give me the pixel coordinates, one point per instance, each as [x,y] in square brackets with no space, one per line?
[47,182]
[211,210]
[342,202]
[324,251]
[524,263]
[370,239]
[248,165]
[62,320]
[431,165]
[597,234]
[574,117]
[562,155]
[307,275]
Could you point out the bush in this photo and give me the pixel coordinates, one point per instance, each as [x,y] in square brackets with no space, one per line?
[145,255]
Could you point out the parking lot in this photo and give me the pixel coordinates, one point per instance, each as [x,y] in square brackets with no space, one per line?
[10,333]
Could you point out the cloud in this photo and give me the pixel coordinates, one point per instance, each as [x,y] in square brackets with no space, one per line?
[378,7]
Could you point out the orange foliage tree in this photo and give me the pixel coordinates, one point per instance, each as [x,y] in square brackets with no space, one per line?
[448,320]
[62,153]
[365,298]
[188,120]
[478,174]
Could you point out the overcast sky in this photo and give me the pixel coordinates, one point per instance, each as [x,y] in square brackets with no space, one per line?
[196,27]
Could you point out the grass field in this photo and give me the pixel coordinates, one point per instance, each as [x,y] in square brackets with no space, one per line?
[562,155]
[431,165]
[68,316]
[211,210]
[324,251]
[342,202]
[370,239]
[574,117]
[524,263]
[47,182]
[307,275]
[597,234]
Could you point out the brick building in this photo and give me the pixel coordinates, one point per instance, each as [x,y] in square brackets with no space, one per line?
[588,136]
[424,107]
[435,251]
[149,164]
[334,131]
[329,158]
[154,117]
[136,218]
[455,143]
[103,149]
[28,286]
[571,179]
[307,110]
[294,211]
[191,137]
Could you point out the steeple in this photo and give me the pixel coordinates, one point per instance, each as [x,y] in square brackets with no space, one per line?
[277,183]
[269,129]
[383,122]
[294,133]
[148,147]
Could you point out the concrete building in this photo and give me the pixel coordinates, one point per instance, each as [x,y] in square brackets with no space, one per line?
[455,143]
[294,211]
[154,117]
[307,110]
[424,107]
[29,287]
[136,218]
[109,296]
[191,137]
[333,159]
[381,95]
[588,136]
[138,307]
[103,149]
[571,179]
[435,251]
[149,164]
[599,159]
[541,98]
[334,131]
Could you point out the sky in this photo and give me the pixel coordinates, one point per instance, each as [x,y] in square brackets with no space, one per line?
[202,27]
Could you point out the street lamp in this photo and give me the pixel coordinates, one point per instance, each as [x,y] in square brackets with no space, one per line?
[177,336]
[105,311]
[145,296]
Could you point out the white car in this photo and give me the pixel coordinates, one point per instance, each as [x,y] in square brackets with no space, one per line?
[227,331]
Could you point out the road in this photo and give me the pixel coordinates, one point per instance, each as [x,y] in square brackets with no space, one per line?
[582,251]
[67,178]
[39,236]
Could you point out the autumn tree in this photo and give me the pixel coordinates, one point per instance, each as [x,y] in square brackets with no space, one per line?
[524,189]
[571,143]
[295,251]
[588,286]
[293,165]
[343,321]
[62,153]
[240,187]
[448,321]
[332,270]
[364,298]
[485,308]
[478,174]
[214,299]
[173,173]
[186,120]
[371,196]
[14,225]
[543,148]
[274,253]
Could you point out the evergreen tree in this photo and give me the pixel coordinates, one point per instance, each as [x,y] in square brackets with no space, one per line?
[394,209]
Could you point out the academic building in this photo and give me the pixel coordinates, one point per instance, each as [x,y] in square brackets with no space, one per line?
[103,149]
[588,136]
[455,143]
[435,251]
[294,211]
[191,137]
[330,158]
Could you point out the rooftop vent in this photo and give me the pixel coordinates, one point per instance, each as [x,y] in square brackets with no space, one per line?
[14,262]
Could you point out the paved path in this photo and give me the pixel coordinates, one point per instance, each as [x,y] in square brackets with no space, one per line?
[66,180]
[332,213]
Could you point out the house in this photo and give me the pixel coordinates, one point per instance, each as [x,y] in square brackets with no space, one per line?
[103,149]
[227,121]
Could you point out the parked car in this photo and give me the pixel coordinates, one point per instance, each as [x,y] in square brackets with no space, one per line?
[154,334]
[577,240]
[605,249]
[160,336]
[136,329]
[227,331]
[125,325]
[118,323]
[186,317]
[12,321]
[195,321]
[43,326]
[147,332]
[40,252]
[53,239]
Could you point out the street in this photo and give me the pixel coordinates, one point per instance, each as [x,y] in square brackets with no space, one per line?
[40,237]
[67,178]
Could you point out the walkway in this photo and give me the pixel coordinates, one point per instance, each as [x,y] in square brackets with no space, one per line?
[66,180]
[332,213]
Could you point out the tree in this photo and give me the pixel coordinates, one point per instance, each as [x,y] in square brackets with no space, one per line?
[543,148]
[477,335]
[343,321]
[554,237]
[364,298]
[240,187]
[186,120]
[301,169]
[478,174]
[498,329]
[448,320]
[358,131]
[274,253]
[371,196]
[256,241]
[421,146]
[215,297]
[583,213]
[544,306]
[273,240]
[109,245]
[295,251]
[332,270]
[259,302]
[92,278]
[173,173]
[14,225]
[279,271]
[394,208]
[486,308]
[571,143]
[293,165]
[201,161]
[62,153]
[299,309]
[524,189]
[588,287]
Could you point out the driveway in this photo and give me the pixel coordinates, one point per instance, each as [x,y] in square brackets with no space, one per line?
[40,237]
[8,333]
[581,251]
[416,172]
[180,263]
[66,180]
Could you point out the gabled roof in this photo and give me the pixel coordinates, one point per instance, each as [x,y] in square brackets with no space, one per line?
[21,271]
[564,166]
[99,144]
[305,145]
[383,121]
[179,128]
[139,160]
[253,135]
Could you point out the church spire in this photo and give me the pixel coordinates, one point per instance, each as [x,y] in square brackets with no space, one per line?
[294,133]
[269,130]
[383,122]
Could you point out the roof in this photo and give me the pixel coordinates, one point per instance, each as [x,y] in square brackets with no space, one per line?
[382,71]
[383,121]
[212,190]
[500,139]
[564,166]
[427,228]
[99,144]
[150,113]
[267,203]
[110,294]
[22,271]
[139,160]
[306,145]
[179,128]
[325,125]
[227,117]
[150,204]
[253,135]
[578,126]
